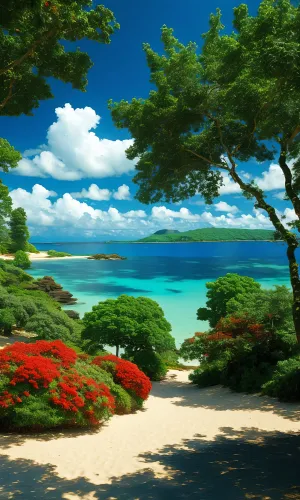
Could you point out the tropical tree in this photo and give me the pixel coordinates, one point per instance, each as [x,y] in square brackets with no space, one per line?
[221,291]
[34,43]
[5,211]
[21,260]
[19,233]
[272,308]
[128,322]
[7,321]
[237,100]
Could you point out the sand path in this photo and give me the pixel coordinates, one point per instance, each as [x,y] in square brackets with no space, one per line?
[187,443]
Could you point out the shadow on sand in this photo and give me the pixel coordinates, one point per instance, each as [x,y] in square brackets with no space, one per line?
[221,399]
[248,464]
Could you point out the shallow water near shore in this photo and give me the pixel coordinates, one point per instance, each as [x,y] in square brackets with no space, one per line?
[172,274]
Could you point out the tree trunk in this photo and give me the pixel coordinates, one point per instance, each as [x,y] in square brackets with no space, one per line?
[294,275]
[288,237]
[117,350]
[7,331]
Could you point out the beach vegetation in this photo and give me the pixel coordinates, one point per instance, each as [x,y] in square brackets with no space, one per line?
[21,259]
[221,291]
[46,384]
[151,363]
[245,348]
[212,110]
[128,322]
[54,253]
[19,233]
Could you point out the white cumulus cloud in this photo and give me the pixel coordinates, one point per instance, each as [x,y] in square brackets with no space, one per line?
[93,193]
[123,193]
[69,216]
[271,179]
[222,206]
[164,213]
[229,186]
[74,151]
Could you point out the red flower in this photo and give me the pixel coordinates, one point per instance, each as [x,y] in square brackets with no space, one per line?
[128,375]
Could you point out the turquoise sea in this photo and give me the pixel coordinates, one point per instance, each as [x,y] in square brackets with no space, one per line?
[173,274]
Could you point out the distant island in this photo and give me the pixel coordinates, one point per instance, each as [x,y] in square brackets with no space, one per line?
[209,234]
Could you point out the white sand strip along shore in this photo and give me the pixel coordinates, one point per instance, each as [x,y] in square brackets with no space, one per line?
[134,451]
[43,256]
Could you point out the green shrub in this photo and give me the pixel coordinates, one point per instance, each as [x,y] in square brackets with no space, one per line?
[7,321]
[3,248]
[151,364]
[285,381]
[44,385]
[124,402]
[21,260]
[170,358]
[54,325]
[31,248]
[208,374]
[54,253]
[251,364]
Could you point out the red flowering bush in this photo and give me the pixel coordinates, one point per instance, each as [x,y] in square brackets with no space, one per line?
[127,374]
[41,387]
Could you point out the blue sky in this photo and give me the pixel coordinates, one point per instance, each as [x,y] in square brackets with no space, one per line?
[68,193]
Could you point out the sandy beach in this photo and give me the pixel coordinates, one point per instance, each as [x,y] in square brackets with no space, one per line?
[43,256]
[186,443]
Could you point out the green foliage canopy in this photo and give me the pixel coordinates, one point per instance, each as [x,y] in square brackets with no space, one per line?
[271,308]
[128,322]
[237,100]
[19,233]
[221,291]
[33,49]
[34,37]
[21,260]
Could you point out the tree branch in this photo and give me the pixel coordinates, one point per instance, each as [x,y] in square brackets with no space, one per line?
[9,95]
[288,178]
[210,162]
[28,53]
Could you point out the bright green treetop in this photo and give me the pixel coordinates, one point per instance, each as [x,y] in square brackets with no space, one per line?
[272,308]
[21,259]
[18,229]
[128,322]
[221,291]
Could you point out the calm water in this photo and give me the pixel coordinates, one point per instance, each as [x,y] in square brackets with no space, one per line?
[172,274]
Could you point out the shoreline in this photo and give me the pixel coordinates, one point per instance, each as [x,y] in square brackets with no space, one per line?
[43,256]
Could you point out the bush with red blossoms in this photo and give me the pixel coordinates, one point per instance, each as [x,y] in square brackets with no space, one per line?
[40,387]
[127,374]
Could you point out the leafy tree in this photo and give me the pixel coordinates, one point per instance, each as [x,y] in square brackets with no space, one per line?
[5,211]
[7,321]
[237,100]
[272,308]
[128,322]
[18,229]
[21,260]
[34,38]
[221,291]
[9,157]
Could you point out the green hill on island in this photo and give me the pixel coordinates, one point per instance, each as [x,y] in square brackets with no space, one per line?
[210,234]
